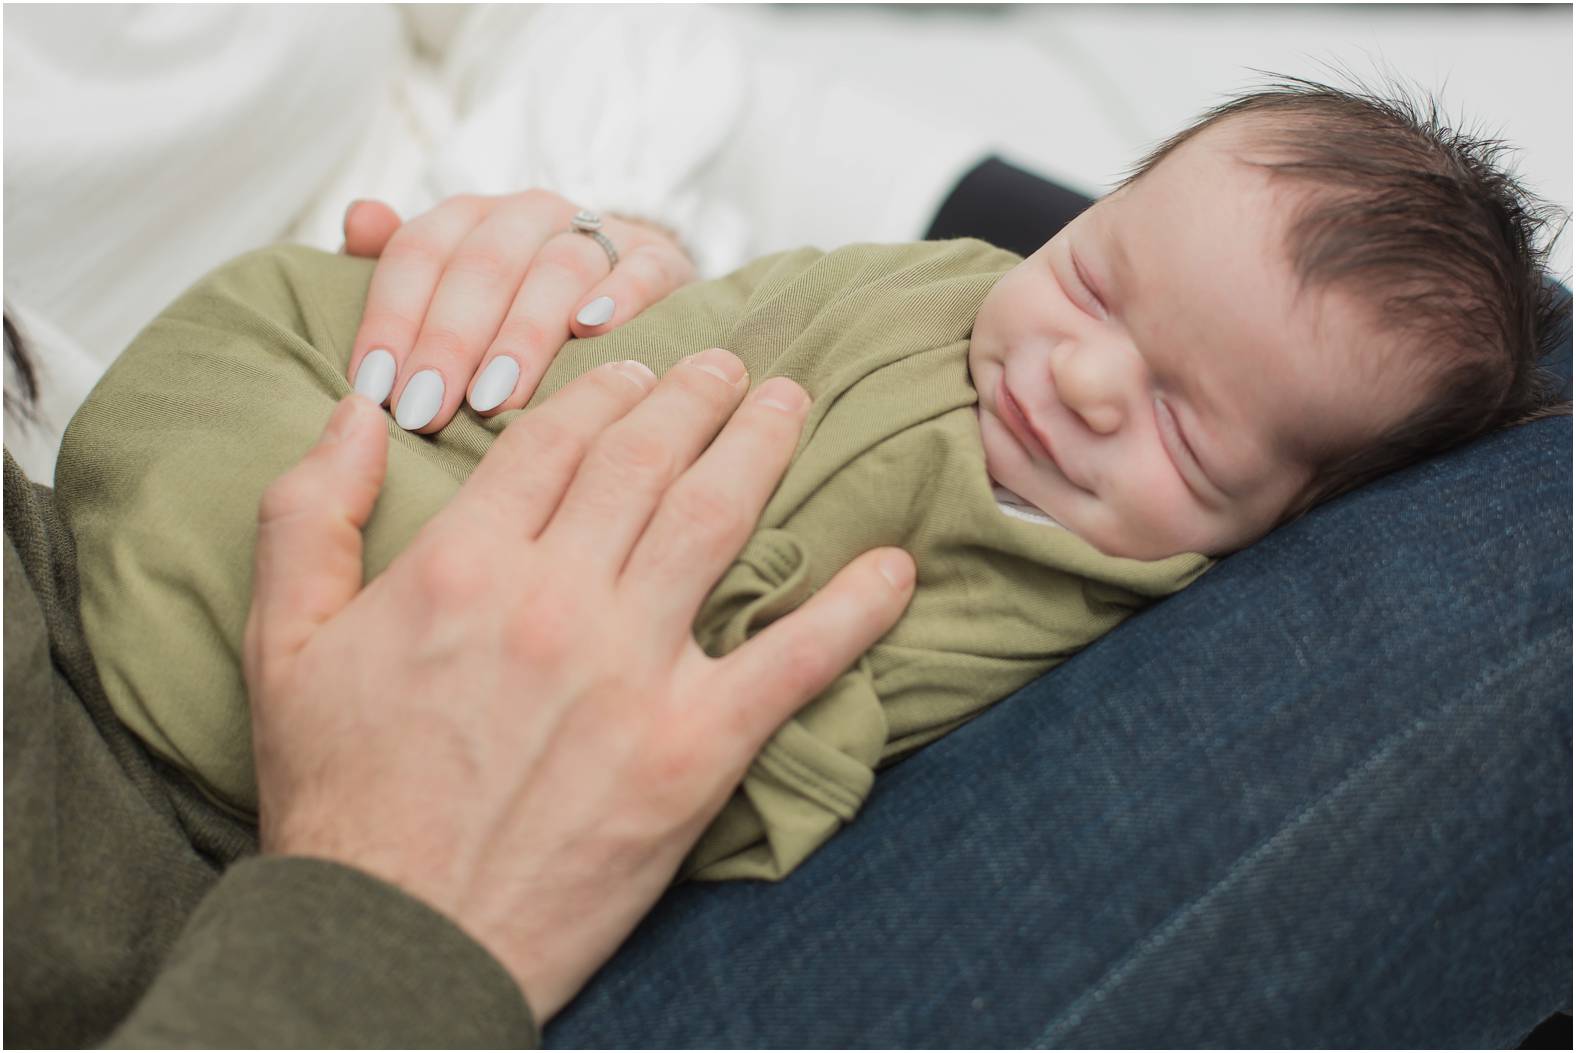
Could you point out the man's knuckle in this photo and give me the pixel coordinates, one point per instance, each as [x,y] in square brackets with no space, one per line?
[706,512]
[803,659]
[450,575]
[288,495]
[676,768]
[549,439]
[636,455]
[539,635]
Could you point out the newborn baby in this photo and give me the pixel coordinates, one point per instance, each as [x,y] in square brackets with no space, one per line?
[1059,441]
[1151,377]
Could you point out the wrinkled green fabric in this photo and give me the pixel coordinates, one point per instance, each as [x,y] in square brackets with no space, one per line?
[161,471]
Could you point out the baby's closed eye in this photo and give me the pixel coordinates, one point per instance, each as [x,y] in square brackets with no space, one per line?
[1092,303]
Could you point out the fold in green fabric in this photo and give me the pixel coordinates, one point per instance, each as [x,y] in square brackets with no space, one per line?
[161,471]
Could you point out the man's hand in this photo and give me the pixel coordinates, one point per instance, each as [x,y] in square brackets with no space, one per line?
[474,298]
[513,722]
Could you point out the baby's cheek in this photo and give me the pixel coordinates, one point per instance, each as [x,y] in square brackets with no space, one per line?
[1160,505]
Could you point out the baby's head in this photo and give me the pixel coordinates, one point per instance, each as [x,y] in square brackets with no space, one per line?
[1303,291]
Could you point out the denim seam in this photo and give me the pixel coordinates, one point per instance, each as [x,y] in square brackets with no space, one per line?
[1073,1015]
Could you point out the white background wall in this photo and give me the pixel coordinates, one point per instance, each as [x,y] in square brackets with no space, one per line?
[141,141]
[1078,92]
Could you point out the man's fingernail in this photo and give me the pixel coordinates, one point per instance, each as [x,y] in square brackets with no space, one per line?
[638,372]
[719,363]
[348,208]
[897,570]
[419,402]
[596,312]
[339,422]
[495,384]
[781,393]
[375,377]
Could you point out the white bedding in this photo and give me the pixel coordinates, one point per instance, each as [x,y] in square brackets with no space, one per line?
[145,145]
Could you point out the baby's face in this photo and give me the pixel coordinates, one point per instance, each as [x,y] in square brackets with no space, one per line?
[1148,375]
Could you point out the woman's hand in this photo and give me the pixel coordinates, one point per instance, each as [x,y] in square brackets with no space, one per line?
[474,298]
[513,722]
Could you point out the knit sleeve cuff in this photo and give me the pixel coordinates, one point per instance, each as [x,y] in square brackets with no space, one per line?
[297,952]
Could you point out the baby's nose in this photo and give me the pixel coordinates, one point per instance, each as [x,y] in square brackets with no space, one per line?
[1087,385]
[1103,417]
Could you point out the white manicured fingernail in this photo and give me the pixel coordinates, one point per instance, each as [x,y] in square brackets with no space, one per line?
[596,312]
[420,401]
[375,378]
[496,383]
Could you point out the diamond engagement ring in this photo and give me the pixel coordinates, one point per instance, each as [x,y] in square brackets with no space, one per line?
[590,224]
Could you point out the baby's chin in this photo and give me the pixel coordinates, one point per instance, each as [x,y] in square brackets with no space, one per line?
[1005,463]
[1000,471]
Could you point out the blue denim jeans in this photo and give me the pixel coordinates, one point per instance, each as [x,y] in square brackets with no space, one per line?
[1322,797]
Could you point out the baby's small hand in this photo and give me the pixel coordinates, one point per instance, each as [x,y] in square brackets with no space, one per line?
[475,297]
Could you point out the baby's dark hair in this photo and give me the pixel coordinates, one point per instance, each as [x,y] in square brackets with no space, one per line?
[1420,223]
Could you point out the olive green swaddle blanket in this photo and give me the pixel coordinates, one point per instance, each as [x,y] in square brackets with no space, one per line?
[161,471]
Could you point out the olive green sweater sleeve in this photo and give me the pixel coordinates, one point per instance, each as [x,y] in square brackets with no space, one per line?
[136,913]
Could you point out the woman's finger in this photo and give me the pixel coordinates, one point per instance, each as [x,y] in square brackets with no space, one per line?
[628,470]
[369,224]
[645,274]
[707,516]
[537,325]
[480,283]
[308,556]
[403,285]
[526,471]
[774,673]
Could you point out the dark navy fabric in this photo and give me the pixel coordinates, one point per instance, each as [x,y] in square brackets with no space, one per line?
[1322,797]
[1006,206]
